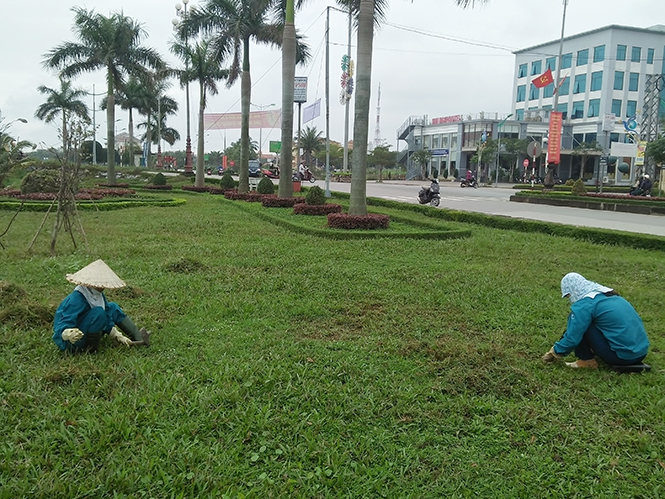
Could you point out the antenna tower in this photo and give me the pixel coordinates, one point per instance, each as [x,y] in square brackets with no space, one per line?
[377,127]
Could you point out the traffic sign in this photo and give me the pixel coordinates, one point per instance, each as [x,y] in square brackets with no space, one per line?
[525,162]
[533,149]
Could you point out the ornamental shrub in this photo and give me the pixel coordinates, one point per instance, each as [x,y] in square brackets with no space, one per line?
[315,196]
[316,209]
[265,186]
[41,181]
[570,182]
[369,221]
[578,188]
[275,202]
[227,182]
[159,179]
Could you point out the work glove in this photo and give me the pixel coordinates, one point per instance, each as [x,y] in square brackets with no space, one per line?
[119,337]
[72,335]
[551,356]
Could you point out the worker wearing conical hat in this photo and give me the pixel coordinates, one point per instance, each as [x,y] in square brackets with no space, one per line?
[85,314]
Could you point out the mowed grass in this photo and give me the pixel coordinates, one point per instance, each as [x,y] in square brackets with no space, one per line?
[285,365]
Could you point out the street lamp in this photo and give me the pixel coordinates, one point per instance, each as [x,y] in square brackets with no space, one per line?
[261,107]
[181,11]
[498,149]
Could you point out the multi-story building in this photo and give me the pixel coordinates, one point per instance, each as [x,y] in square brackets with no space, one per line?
[603,71]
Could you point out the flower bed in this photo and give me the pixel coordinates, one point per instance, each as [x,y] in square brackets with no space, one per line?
[623,196]
[114,186]
[252,197]
[275,202]
[92,194]
[367,222]
[313,209]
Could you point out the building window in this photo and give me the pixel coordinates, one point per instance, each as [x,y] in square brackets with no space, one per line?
[548,91]
[519,114]
[636,54]
[650,56]
[631,108]
[563,108]
[633,82]
[618,80]
[578,110]
[453,142]
[521,93]
[444,141]
[435,141]
[566,60]
[550,63]
[534,92]
[578,139]
[565,87]
[621,52]
[599,53]
[580,84]
[536,68]
[590,138]
[427,141]
[616,107]
[582,57]
[521,72]
[596,80]
[594,108]
[614,137]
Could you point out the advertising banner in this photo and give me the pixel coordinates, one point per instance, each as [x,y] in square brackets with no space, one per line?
[554,144]
[300,89]
[232,121]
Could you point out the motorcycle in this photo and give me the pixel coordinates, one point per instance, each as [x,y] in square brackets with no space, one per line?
[431,194]
[469,183]
[271,172]
[304,176]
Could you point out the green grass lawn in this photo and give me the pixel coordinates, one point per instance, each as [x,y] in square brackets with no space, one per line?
[288,365]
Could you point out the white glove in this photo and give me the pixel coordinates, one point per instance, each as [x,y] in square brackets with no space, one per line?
[119,337]
[72,335]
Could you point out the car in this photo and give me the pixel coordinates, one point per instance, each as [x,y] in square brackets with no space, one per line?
[254,168]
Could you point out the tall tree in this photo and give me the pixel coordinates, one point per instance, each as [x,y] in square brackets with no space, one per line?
[369,13]
[311,143]
[64,102]
[112,44]
[202,65]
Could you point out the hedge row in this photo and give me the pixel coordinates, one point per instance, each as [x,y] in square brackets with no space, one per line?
[567,188]
[371,221]
[275,202]
[595,197]
[589,234]
[158,187]
[89,206]
[250,196]
[316,209]
[81,194]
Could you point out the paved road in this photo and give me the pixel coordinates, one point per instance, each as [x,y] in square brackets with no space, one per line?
[495,201]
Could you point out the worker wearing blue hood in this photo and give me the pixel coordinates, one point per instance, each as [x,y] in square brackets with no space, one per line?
[601,323]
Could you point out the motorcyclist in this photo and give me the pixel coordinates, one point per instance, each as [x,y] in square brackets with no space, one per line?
[644,188]
[301,171]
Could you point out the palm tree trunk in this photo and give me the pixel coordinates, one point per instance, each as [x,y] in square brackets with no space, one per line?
[110,129]
[130,126]
[64,136]
[358,199]
[200,180]
[148,139]
[288,76]
[246,94]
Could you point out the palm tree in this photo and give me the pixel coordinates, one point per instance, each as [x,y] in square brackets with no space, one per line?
[233,24]
[132,97]
[156,106]
[65,102]
[109,43]
[311,143]
[368,14]
[201,65]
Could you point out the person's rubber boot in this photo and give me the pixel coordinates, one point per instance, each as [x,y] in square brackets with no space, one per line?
[92,342]
[583,364]
[130,329]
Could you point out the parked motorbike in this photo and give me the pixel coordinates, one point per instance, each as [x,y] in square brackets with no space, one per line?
[271,172]
[431,194]
[469,183]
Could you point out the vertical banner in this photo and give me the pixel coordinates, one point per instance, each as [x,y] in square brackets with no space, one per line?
[312,111]
[554,144]
[641,149]
[300,89]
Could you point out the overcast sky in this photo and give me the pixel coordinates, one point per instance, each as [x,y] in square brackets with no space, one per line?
[430,58]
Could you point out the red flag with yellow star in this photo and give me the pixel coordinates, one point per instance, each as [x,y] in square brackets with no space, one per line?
[544,79]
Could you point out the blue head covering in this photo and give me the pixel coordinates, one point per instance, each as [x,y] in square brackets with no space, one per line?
[578,287]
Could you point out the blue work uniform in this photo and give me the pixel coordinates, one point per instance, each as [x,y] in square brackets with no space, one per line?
[609,325]
[75,311]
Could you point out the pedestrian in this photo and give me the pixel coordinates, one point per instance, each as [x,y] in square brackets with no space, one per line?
[85,314]
[601,323]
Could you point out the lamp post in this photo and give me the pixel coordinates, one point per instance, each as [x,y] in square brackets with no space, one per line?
[261,107]
[181,11]
[498,148]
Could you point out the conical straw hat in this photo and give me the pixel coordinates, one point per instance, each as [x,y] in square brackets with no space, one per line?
[97,275]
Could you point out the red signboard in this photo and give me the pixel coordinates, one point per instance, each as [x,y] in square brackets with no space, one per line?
[525,162]
[447,119]
[554,145]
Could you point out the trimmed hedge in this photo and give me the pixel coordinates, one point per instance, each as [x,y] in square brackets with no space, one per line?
[275,202]
[108,205]
[158,187]
[251,196]
[316,209]
[114,186]
[193,188]
[370,221]
[81,194]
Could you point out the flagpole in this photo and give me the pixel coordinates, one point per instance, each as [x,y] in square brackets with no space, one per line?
[549,176]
